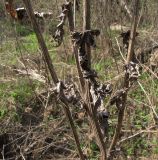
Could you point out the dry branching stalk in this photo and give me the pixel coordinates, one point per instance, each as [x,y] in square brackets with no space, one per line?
[87,24]
[65,13]
[95,92]
[131,75]
[74,47]
[59,33]
[60,87]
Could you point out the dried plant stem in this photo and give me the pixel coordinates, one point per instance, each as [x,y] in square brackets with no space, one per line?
[41,41]
[69,117]
[92,111]
[74,48]
[52,71]
[94,123]
[120,50]
[74,17]
[130,57]
[130,54]
[99,136]
[87,24]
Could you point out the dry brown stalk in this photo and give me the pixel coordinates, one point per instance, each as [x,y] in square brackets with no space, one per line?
[87,24]
[92,111]
[130,57]
[41,41]
[86,85]
[52,71]
[95,92]
[74,15]
[74,47]
[94,123]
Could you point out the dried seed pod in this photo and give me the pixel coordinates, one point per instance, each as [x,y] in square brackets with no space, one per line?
[89,74]
[97,91]
[103,89]
[126,37]
[132,69]
[81,39]
[59,33]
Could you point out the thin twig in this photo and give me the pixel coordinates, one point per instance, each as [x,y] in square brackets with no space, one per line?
[137,134]
[147,96]
[120,50]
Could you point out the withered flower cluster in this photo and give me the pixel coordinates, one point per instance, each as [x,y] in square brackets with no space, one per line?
[132,73]
[98,91]
[126,37]
[59,33]
[67,93]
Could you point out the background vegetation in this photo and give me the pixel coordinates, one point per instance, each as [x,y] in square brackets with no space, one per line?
[33,124]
